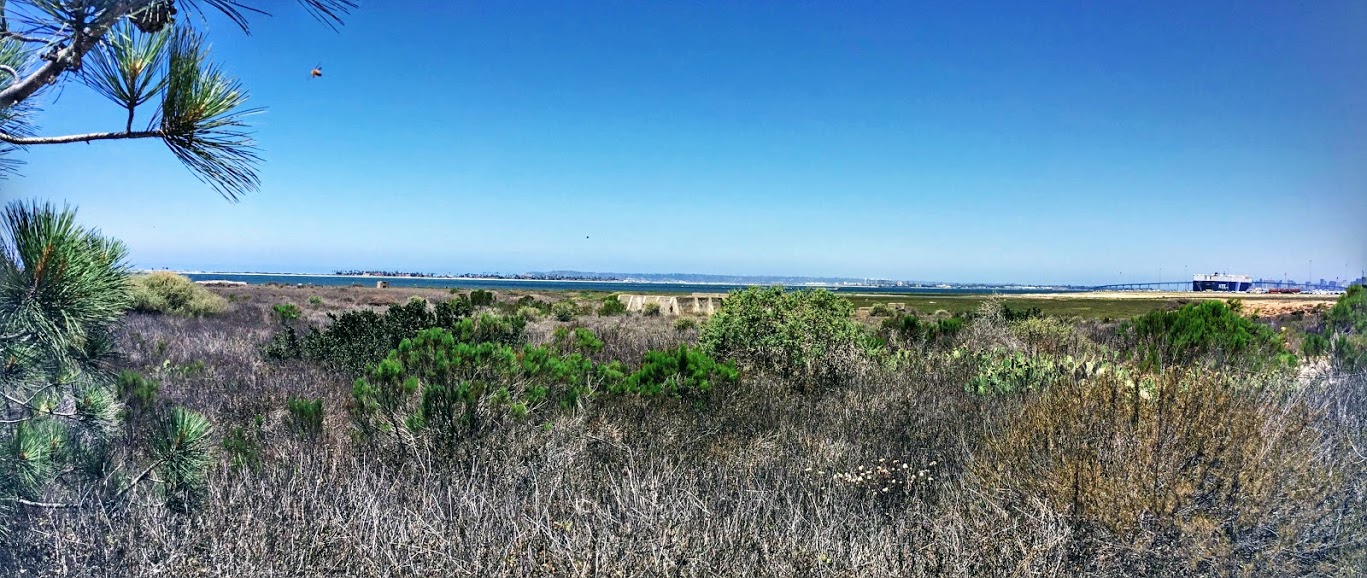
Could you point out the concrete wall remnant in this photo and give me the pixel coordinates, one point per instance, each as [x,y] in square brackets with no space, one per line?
[695,304]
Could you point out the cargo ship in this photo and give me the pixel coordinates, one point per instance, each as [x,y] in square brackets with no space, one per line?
[1221,282]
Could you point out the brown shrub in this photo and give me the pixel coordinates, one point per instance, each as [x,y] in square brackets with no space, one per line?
[1190,473]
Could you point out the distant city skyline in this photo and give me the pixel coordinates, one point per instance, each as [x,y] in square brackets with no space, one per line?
[1341,282]
[1057,142]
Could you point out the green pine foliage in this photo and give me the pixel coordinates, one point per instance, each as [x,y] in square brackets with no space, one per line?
[682,372]
[579,339]
[285,312]
[436,388]
[183,452]
[63,289]
[358,338]
[306,415]
[137,389]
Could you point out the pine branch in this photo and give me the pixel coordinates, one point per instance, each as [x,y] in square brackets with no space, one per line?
[75,138]
[22,38]
[69,57]
[134,483]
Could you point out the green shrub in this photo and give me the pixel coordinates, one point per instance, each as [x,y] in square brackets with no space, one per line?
[137,389]
[651,309]
[682,372]
[1013,315]
[284,344]
[612,306]
[581,339]
[167,292]
[190,368]
[880,310]
[1211,330]
[481,298]
[315,300]
[491,328]
[565,310]
[243,445]
[435,389]
[1314,345]
[1349,314]
[529,301]
[306,415]
[911,329]
[286,312]
[794,334]
[685,324]
[528,313]
[1350,351]
[1346,329]
[357,338]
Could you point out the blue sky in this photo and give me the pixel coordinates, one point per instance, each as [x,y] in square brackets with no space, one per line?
[1055,142]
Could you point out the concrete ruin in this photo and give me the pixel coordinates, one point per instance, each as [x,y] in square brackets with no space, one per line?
[695,304]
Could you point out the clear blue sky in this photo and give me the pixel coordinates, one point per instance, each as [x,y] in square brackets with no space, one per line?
[1006,141]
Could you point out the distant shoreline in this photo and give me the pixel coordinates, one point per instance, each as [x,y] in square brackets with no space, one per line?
[518,279]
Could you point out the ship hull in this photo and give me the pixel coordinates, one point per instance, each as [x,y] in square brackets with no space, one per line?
[1227,286]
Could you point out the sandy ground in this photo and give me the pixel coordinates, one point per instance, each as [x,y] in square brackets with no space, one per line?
[1256,303]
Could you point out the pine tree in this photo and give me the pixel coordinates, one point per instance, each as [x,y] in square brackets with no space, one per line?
[135,53]
[62,290]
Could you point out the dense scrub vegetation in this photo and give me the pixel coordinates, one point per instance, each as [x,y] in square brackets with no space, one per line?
[1345,331]
[1210,330]
[795,334]
[782,438]
[173,294]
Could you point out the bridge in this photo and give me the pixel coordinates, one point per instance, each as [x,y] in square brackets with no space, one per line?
[1146,286]
[1186,286]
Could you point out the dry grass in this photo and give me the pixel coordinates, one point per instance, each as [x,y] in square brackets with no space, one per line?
[745,485]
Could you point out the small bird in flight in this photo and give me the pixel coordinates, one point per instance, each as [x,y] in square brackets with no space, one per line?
[316,72]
